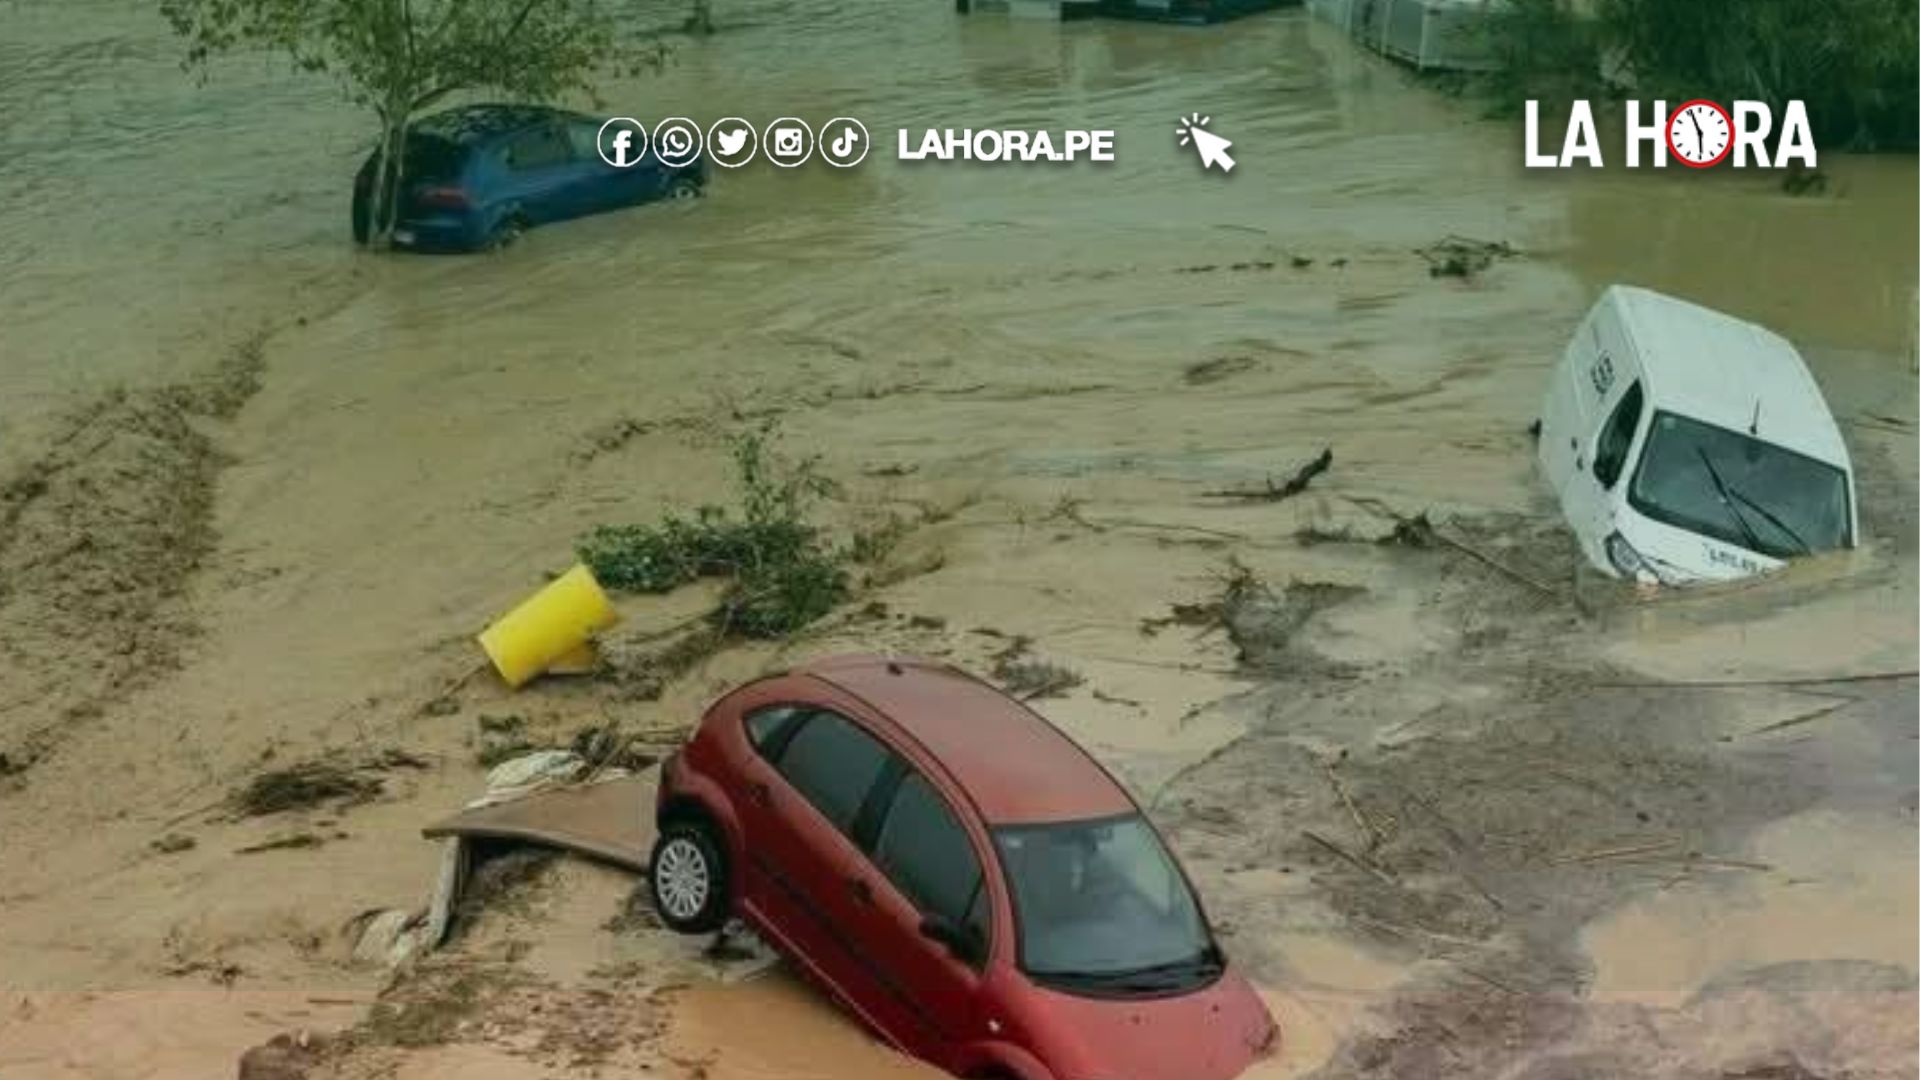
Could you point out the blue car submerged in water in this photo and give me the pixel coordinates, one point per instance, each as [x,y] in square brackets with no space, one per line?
[476,177]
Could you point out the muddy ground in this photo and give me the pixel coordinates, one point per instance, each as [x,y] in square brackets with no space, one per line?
[1459,807]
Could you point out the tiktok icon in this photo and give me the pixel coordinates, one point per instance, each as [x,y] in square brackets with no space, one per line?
[843,142]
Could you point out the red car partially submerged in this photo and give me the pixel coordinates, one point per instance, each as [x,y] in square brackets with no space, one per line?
[956,872]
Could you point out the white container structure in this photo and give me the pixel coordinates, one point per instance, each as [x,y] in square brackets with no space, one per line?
[1429,34]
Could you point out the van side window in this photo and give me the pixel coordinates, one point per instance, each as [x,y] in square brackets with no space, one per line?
[924,851]
[1610,451]
[834,765]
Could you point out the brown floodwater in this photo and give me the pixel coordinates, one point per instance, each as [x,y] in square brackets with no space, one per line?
[413,458]
[143,214]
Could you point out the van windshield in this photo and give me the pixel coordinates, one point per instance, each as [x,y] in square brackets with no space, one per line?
[1101,906]
[1740,490]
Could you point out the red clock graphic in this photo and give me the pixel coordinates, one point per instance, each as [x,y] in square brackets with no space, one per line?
[1700,133]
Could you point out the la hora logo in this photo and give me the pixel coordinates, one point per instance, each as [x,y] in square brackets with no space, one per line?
[1700,134]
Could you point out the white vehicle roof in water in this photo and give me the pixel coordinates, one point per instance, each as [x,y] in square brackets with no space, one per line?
[1713,367]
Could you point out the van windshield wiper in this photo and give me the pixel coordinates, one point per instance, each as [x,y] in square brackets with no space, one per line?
[1727,499]
[1773,520]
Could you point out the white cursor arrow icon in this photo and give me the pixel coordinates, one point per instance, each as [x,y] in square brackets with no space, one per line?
[1212,148]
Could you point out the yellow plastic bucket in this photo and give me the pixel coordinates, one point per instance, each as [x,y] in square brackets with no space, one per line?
[556,623]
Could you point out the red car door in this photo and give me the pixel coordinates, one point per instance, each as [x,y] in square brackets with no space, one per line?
[928,869]
[805,792]
[768,839]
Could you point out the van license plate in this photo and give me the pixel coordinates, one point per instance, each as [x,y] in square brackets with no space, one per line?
[403,236]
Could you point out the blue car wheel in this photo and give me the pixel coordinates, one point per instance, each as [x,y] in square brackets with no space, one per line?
[508,229]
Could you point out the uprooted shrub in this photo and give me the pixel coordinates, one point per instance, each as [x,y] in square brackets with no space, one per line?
[782,572]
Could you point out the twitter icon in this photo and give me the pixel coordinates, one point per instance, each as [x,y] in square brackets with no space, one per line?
[731,142]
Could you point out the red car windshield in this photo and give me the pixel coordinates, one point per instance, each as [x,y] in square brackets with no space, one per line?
[1101,904]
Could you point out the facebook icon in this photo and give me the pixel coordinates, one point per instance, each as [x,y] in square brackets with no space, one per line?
[622,140]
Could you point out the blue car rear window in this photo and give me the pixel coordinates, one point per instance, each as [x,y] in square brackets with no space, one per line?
[430,157]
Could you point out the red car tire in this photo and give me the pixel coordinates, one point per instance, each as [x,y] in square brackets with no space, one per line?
[688,878]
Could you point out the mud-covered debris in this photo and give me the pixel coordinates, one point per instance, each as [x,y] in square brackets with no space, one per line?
[610,437]
[640,669]
[1202,615]
[221,390]
[1415,532]
[502,738]
[1463,257]
[538,769]
[286,1056]
[386,937]
[503,877]
[1263,624]
[1217,368]
[1027,676]
[1801,180]
[444,705]
[507,738]
[305,785]
[429,1011]
[637,913]
[395,758]
[173,844]
[297,842]
[606,746]
[1272,492]
[729,947]
[1783,1066]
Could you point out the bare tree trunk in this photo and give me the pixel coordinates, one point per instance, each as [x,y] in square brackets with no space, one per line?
[401,131]
[388,179]
[380,194]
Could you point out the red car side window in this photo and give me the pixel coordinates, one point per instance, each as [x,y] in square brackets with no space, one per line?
[769,729]
[833,764]
[924,850]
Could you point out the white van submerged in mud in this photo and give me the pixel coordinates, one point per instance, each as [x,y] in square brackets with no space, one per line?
[1688,445]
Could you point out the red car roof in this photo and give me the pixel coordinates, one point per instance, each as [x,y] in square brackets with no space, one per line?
[1017,767]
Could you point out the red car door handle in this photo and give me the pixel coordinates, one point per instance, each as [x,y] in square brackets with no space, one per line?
[862,891]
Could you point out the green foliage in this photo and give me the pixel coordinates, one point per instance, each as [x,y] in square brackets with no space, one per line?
[1541,50]
[1856,63]
[783,573]
[401,57]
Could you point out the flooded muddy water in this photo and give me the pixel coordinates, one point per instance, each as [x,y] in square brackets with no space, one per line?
[1042,370]
[776,1027]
